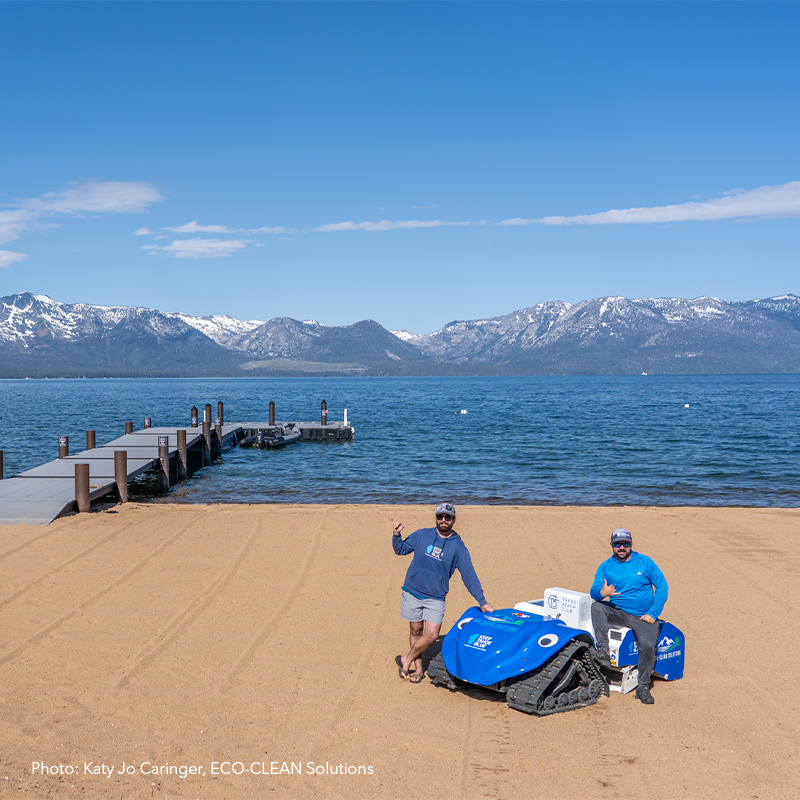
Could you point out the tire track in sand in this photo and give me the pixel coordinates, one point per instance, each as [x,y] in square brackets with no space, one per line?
[485,766]
[231,677]
[487,752]
[609,772]
[36,581]
[48,629]
[26,543]
[323,731]
[187,615]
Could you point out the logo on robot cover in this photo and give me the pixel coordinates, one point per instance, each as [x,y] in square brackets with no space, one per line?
[667,643]
[506,619]
[479,641]
[552,601]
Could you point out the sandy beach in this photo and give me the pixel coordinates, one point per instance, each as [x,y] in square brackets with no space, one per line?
[155,639]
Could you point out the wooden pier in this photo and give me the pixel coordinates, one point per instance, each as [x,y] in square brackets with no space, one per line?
[40,495]
[70,483]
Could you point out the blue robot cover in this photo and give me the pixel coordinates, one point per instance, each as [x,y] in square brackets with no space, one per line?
[670,654]
[486,649]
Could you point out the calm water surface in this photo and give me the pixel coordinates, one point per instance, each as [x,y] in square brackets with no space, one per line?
[634,440]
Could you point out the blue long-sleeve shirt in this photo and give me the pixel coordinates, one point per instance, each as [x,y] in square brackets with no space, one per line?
[641,585]
[435,560]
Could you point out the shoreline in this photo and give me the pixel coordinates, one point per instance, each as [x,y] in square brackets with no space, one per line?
[179,635]
[504,505]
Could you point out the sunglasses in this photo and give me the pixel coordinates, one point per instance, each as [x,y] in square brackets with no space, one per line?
[444,516]
[621,544]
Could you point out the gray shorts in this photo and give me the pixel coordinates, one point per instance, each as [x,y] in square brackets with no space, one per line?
[413,609]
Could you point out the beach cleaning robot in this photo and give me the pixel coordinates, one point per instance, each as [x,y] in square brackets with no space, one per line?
[540,654]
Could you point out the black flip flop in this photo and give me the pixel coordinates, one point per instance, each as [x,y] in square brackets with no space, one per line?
[403,673]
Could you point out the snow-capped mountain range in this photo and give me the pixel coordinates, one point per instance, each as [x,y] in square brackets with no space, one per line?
[40,336]
[25,318]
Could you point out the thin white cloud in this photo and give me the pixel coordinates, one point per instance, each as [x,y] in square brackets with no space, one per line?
[388,225]
[766,201]
[89,197]
[142,232]
[197,248]
[95,196]
[15,222]
[195,227]
[7,258]
[419,208]
[265,229]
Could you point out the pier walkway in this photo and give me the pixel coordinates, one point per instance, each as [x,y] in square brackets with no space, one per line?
[44,493]
[40,495]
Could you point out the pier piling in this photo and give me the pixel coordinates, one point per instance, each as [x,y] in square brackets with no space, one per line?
[221,413]
[90,440]
[271,412]
[323,413]
[163,458]
[206,443]
[121,475]
[1,465]
[148,423]
[128,428]
[63,446]
[193,416]
[82,487]
[182,465]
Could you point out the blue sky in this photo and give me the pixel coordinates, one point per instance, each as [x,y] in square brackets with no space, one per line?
[413,163]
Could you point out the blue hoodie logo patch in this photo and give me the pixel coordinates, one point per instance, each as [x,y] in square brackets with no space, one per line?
[434,552]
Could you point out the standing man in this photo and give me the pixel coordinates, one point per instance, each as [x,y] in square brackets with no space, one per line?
[438,553]
[629,590]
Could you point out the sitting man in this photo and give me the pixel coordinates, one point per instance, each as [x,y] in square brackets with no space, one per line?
[629,590]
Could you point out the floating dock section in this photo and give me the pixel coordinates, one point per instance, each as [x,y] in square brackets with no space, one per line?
[312,431]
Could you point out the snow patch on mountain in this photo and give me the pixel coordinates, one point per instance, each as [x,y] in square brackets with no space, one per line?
[224,330]
[405,336]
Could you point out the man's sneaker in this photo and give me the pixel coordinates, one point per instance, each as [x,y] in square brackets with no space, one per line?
[643,694]
[602,658]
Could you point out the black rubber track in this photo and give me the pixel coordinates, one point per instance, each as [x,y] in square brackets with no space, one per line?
[530,695]
[439,675]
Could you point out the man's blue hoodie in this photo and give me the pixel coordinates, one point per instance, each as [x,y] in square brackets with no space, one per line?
[435,560]
[634,579]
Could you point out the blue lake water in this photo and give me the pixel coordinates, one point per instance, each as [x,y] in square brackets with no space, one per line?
[632,440]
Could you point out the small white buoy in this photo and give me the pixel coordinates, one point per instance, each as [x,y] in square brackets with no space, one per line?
[463,410]
[686,405]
